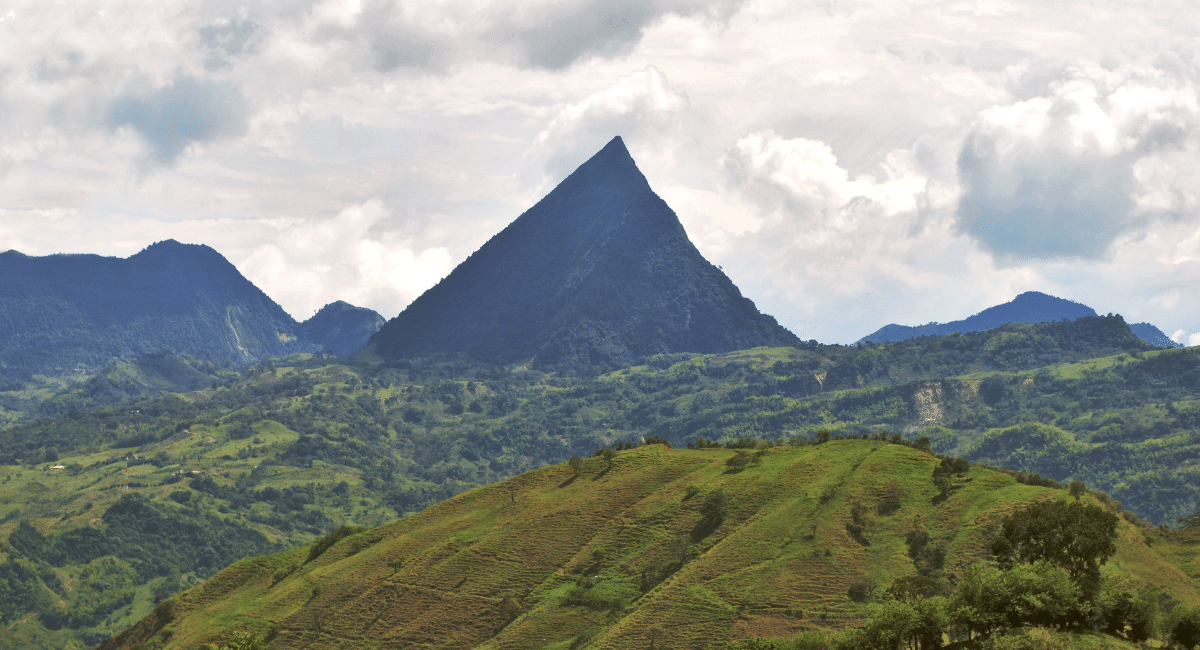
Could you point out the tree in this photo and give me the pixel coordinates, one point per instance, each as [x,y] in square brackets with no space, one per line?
[576,464]
[738,461]
[1075,536]
[1078,489]
[1190,521]
[608,455]
[1125,611]
[889,501]
[240,641]
[1185,626]
[911,589]
[915,626]
[1027,594]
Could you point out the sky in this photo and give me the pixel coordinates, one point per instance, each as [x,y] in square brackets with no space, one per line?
[848,164]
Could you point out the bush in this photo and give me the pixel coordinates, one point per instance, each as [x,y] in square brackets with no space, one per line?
[860,591]
[1185,626]
[181,496]
[323,544]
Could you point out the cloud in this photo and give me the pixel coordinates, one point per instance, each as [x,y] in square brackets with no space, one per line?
[186,112]
[862,242]
[640,107]
[228,40]
[349,257]
[799,180]
[1057,176]
[555,35]
[540,35]
[403,46]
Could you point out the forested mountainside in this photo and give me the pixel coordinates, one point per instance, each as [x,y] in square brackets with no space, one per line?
[65,319]
[296,447]
[594,276]
[65,314]
[341,328]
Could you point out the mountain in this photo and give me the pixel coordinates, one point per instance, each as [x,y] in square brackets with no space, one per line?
[1029,307]
[65,315]
[295,448]
[659,547]
[597,274]
[1153,335]
[341,328]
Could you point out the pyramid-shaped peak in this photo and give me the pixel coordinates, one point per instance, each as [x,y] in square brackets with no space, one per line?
[612,165]
[597,274]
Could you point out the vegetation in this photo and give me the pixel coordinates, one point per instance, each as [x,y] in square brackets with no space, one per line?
[297,447]
[607,559]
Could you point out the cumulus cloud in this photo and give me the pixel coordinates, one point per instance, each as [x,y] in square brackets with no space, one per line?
[799,180]
[186,112]
[348,257]
[641,107]
[1063,174]
[828,237]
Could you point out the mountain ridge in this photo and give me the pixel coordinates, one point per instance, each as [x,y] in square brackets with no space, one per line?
[68,315]
[1027,307]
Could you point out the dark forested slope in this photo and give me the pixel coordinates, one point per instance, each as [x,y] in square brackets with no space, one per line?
[341,328]
[65,314]
[598,273]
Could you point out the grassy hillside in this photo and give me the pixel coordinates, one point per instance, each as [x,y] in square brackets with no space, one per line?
[294,448]
[550,559]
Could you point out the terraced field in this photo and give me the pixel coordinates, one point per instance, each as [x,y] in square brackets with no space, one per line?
[616,555]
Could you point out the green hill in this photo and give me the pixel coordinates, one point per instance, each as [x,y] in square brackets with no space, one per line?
[551,559]
[299,446]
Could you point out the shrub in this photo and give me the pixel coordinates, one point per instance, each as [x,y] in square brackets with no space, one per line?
[860,591]
[322,544]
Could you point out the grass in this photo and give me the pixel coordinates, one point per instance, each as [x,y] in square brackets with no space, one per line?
[493,567]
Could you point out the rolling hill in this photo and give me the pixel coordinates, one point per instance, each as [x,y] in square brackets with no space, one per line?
[616,556]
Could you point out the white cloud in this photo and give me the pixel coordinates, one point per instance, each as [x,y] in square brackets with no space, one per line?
[1064,174]
[811,149]
[317,261]
[640,107]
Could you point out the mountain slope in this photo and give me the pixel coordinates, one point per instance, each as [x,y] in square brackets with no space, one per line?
[64,315]
[1029,307]
[1153,335]
[341,328]
[598,273]
[599,559]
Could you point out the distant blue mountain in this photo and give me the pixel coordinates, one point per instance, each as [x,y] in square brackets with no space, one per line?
[341,328]
[72,315]
[1029,307]
[1153,335]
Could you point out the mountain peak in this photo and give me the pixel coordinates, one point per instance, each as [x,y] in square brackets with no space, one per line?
[1027,307]
[596,274]
[341,328]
